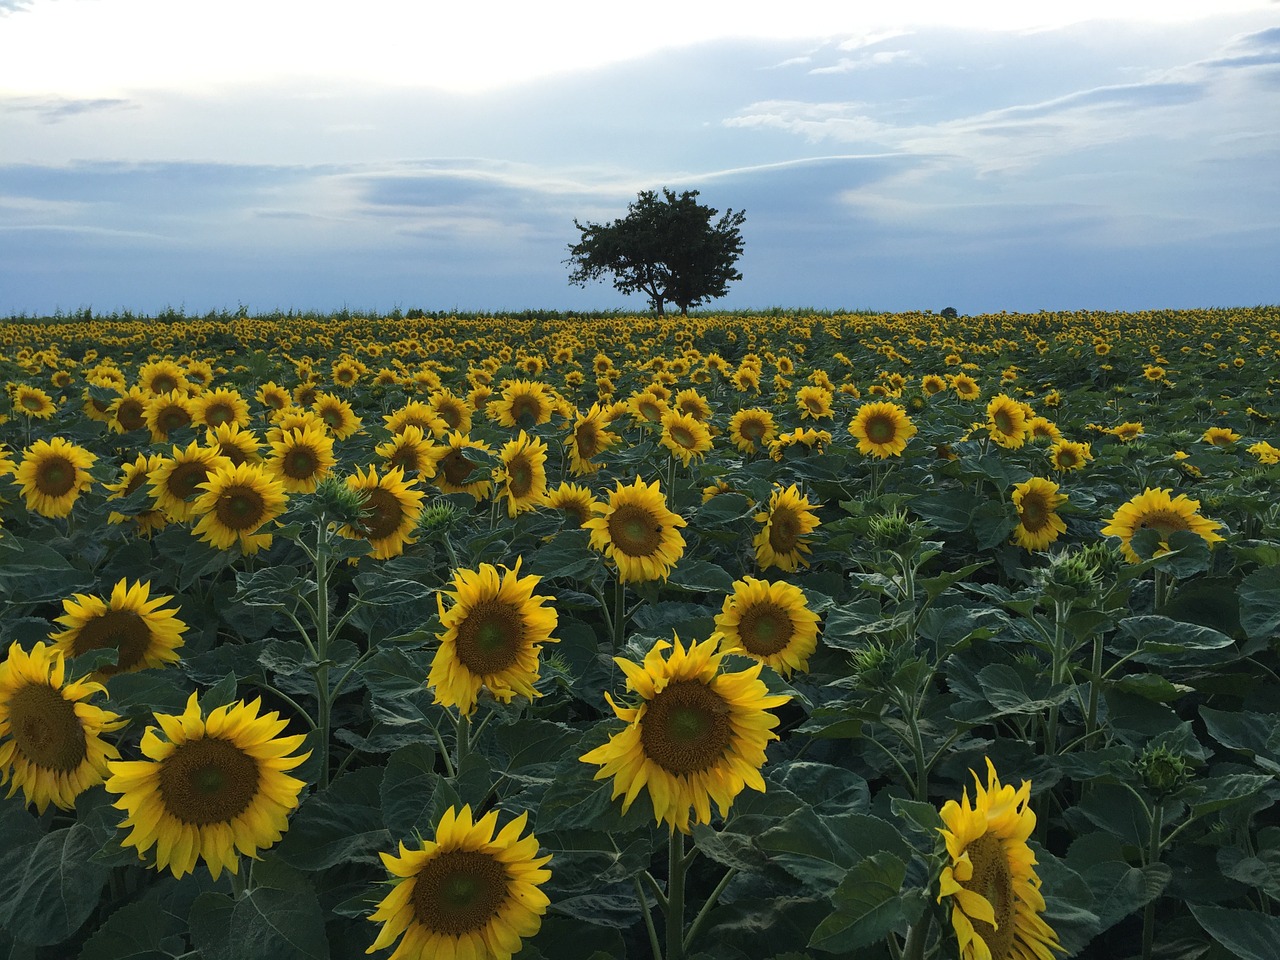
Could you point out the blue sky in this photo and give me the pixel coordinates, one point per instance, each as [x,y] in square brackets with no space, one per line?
[280,154]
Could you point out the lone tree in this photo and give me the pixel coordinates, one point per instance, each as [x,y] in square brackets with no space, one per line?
[665,247]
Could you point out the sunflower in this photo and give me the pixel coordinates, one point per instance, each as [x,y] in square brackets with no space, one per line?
[801,441]
[637,532]
[346,373]
[1006,422]
[337,415]
[1127,432]
[882,429]
[685,436]
[696,735]
[752,429]
[646,407]
[453,410]
[220,407]
[415,413]
[573,500]
[234,442]
[466,893]
[167,412]
[813,402]
[1265,452]
[590,438]
[53,474]
[787,520]
[1042,428]
[274,396]
[492,636]
[301,458]
[50,743]
[523,403]
[408,451]
[128,412]
[521,475]
[161,377]
[1220,436]
[1069,455]
[32,402]
[238,500]
[990,874]
[454,472]
[393,506]
[932,384]
[1036,501]
[175,482]
[966,387]
[213,787]
[769,622]
[133,476]
[694,404]
[144,632]
[1156,510]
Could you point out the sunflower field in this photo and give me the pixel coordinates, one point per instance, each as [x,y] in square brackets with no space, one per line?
[780,635]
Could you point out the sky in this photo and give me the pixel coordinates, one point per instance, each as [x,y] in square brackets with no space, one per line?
[315,155]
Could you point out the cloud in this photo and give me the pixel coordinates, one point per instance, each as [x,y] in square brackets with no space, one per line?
[867,61]
[55,109]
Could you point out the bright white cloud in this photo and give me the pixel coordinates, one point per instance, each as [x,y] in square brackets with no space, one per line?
[95,48]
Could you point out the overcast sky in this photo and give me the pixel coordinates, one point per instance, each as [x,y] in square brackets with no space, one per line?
[313,155]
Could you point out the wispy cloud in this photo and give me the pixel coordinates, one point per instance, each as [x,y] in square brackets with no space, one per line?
[867,61]
[55,109]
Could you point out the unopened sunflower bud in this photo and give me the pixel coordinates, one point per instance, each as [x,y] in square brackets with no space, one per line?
[1162,770]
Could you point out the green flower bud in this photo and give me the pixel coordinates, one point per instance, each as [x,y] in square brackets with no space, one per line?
[1162,770]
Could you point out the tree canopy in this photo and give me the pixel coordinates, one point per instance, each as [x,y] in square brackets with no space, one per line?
[666,247]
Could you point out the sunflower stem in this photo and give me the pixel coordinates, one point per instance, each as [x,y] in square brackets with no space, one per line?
[323,693]
[619,612]
[675,896]
[700,920]
[913,949]
[463,742]
[654,944]
[1153,856]
[239,886]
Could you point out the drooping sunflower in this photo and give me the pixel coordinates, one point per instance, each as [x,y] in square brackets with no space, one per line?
[50,736]
[53,474]
[1039,525]
[176,481]
[33,402]
[787,520]
[1220,436]
[574,500]
[1157,510]
[685,436]
[301,458]
[337,415]
[637,532]
[408,451]
[213,787]
[522,403]
[144,632]
[393,506]
[696,734]
[1042,428]
[1006,422]
[167,412]
[882,429]
[1127,431]
[590,438]
[493,633]
[455,472]
[236,502]
[465,893]
[769,622]
[990,875]
[752,429]
[521,475]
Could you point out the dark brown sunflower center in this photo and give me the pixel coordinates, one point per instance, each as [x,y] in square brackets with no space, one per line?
[752,429]
[124,630]
[519,477]
[31,402]
[580,512]
[814,404]
[525,410]
[209,780]
[991,879]
[635,531]
[56,476]
[451,414]
[219,413]
[186,477]
[407,458]
[384,513]
[129,415]
[683,437]
[784,530]
[490,637]
[880,429]
[765,629]
[456,468]
[241,508]
[1034,513]
[45,728]
[1163,521]
[686,728]
[300,463]
[588,439]
[333,417]
[172,417]
[649,410]
[1066,458]
[1003,421]
[163,383]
